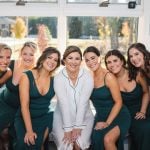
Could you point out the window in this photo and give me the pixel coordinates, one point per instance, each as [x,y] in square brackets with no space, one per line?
[16,30]
[103,32]
[76,22]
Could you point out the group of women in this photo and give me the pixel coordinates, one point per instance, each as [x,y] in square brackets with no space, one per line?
[120,95]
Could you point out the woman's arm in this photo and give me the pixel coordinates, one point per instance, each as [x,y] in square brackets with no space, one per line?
[30,136]
[6,76]
[112,84]
[145,98]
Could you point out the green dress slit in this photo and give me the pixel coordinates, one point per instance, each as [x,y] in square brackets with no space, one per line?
[103,103]
[41,116]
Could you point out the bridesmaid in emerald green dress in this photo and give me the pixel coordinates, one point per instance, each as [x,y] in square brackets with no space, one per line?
[5,74]
[135,97]
[5,55]
[9,97]
[112,119]
[139,61]
[33,120]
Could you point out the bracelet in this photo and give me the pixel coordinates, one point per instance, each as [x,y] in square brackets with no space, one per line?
[142,113]
[107,123]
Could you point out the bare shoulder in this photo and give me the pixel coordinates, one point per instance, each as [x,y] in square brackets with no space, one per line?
[110,79]
[109,76]
[23,78]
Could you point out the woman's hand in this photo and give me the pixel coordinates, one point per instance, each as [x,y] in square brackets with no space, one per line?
[101,125]
[30,138]
[67,137]
[140,115]
[75,134]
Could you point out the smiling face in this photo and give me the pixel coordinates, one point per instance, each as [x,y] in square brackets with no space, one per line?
[92,61]
[5,55]
[73,62]
[114,64]
[27,56]
[136,57]
[50,63]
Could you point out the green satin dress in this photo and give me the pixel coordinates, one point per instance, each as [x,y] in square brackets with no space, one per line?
[9,102]
[140,129]
[41,115]
[103,103]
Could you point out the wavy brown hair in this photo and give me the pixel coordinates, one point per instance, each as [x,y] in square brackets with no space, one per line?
[116,53]
[134,70]
[47,52]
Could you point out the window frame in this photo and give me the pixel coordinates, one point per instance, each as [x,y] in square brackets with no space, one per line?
[62,9]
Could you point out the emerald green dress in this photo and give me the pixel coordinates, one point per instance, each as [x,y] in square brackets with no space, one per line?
[41,116]
[103,103]
[9,102]
[140,129]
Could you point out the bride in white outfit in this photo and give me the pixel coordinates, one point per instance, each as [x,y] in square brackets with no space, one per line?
[73,118]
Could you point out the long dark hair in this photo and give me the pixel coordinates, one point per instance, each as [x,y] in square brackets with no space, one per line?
[116,53]
[48,51]
[92,49]
[134,70]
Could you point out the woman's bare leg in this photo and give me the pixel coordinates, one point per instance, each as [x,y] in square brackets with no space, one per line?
[111,138]
[44,138]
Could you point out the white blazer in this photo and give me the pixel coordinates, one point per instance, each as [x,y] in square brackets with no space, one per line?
[73,107]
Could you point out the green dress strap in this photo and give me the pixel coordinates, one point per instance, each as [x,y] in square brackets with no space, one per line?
[105,78]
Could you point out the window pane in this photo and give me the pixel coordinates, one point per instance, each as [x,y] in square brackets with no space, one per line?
[16,30]
[103,32]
